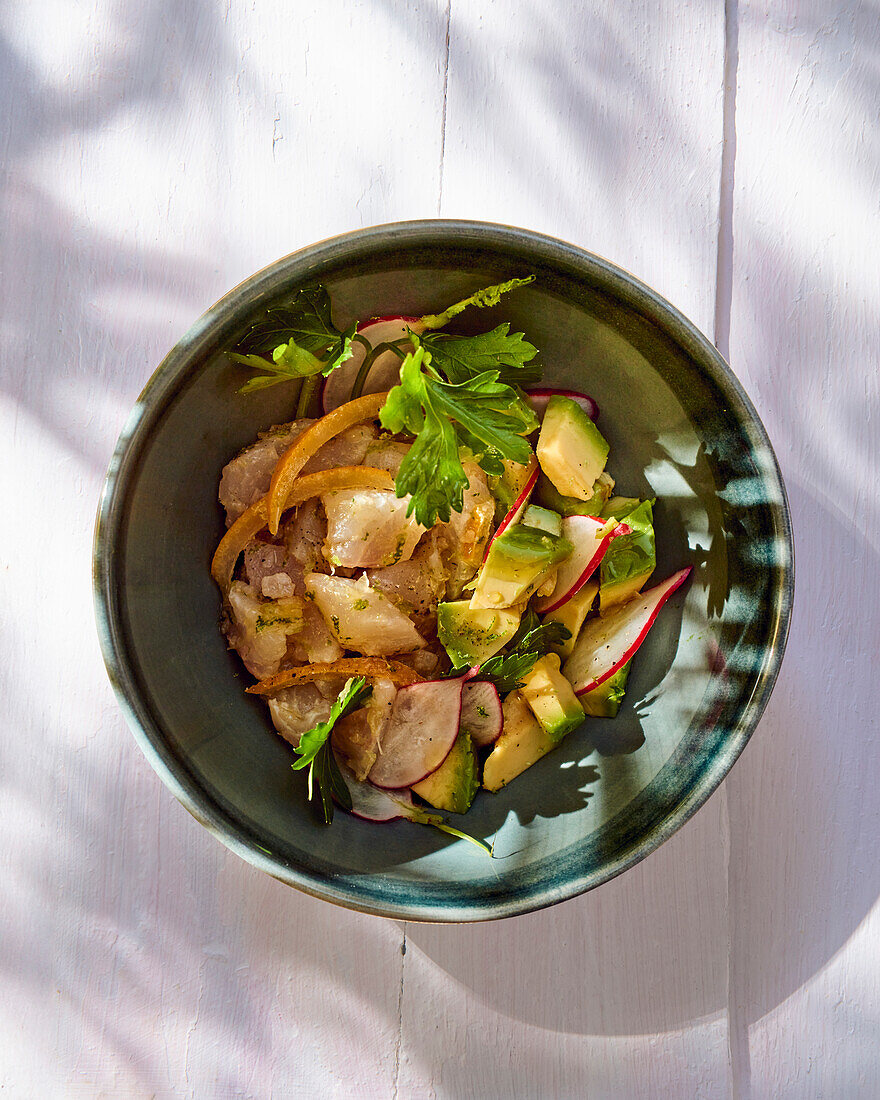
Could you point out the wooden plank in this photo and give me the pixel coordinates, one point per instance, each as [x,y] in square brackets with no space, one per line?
[152,160]
[153,156]
[805,963]
[619,993]
[600,124]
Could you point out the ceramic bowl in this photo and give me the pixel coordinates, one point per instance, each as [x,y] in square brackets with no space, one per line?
[681,429]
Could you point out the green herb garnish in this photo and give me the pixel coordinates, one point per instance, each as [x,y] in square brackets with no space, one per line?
[315,753]
[456,393]
[481,299]
[532,640]
[464,357]
[301,339]
[422,817]
[481,414]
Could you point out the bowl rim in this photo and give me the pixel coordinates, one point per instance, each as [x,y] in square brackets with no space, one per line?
[265,285]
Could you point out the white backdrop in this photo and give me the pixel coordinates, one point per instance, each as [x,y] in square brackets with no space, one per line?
[155,153]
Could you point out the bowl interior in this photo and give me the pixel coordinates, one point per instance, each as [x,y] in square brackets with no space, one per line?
[680,430]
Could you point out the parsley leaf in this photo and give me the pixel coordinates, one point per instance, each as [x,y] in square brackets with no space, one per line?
[482,414]
[306,320]
[463,357]
[422,817]
[482,299]
[457,393]
[315,753]
[301,337]
[532,640]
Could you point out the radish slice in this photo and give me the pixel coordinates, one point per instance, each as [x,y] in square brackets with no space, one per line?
[519,505]
[579,566]
[385,370]
[538,400]
[371,804]
[481,712]
[607,643]
[420,732]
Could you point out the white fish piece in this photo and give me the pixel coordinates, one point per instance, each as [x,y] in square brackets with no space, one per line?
[360,618]
[313,644]
[304,533]
[297,709]
[270,567]
[386,454]
[426,662]
[246,478]
[356,737]
[467,532]
[369,527]
[301,707]
[415,585]
[277,586]
[267,559]
[258,629]
[346,449]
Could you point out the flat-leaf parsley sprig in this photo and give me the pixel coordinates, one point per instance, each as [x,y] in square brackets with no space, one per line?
[301,338]
[463,357]
[481,414]
[315,753]
[532,640]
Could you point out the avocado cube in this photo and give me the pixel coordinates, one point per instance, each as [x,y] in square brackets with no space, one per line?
[542,519]
[546,496]
[470,636]
[571,450]
[518,563]
[604,701]
[453,785]
[552,698]
[630,559]
[619,507]
[522,742]
[572,615]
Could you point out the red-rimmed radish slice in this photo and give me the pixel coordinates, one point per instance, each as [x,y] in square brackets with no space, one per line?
[420,732]
[520,503]
[538,400]
[607,643]
[372,804]
[481,714]
[385,370]
[574,572]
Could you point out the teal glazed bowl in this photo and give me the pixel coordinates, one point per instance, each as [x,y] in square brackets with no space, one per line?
[681,429]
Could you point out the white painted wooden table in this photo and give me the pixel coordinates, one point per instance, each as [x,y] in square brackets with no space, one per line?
[153,154]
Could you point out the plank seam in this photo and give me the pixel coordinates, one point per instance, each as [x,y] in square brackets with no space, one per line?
[737,1024]
[724,255]
[445,95]
[399,1044]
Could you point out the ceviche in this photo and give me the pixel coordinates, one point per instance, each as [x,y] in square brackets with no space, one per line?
[432,581]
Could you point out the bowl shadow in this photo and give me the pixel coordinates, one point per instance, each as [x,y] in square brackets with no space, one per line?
[801,804]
